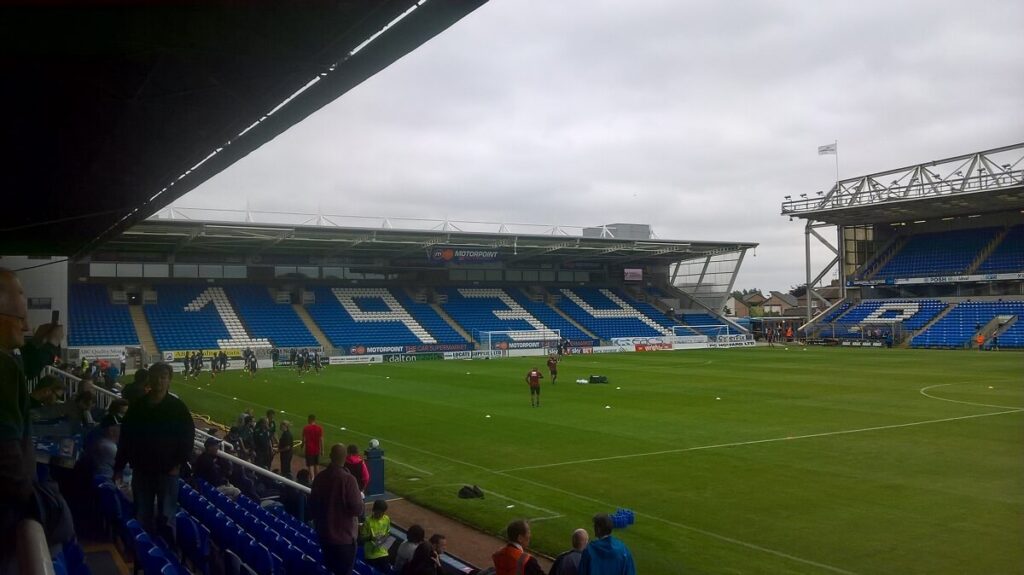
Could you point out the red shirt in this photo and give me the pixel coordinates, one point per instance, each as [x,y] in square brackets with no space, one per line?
[311,436]
[533,378]
[553,364]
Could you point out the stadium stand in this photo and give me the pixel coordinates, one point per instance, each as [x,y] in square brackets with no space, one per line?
[267,319]
[1008,255]
[197,317]
[837,312]
[93,320]
[607,315]
[958,327]
[426,316]
[492,309]
[938,254]
[912,314]
[548,316]
[365,316]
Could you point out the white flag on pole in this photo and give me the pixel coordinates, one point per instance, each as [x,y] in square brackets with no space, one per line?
[827,149]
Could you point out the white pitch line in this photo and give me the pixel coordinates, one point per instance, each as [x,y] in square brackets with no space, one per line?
[923,391]
[395,461]
[756,441]
[610,505]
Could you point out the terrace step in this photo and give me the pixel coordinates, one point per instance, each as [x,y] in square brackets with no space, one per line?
[312,326]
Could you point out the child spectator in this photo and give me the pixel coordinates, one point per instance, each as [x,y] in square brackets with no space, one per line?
[374,533]
[355,465]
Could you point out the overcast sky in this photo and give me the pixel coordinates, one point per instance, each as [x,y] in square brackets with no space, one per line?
[694,117]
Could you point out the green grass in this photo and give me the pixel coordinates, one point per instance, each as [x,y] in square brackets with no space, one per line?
[876,478]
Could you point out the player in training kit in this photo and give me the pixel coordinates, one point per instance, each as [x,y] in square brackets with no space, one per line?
[533,380]
[553,368]
[251,365]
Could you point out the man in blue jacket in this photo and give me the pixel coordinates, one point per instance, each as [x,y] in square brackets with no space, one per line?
[606,555]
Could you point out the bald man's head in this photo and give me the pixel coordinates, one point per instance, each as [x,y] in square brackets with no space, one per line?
[338,453]
[580,538]
[13,311]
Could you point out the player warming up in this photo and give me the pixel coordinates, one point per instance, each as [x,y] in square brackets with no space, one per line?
[533,380]
[553,368]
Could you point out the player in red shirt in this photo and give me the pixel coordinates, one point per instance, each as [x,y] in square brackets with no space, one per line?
[533,380]
[313,445]
[553,368]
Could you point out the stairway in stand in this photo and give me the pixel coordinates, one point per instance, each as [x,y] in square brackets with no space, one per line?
[146,340]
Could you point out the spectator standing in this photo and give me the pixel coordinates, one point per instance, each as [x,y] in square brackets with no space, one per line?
[138,387]
[242,416]
[512,559]
[245,435]
[312,444]
[263,450]
[568,562]
[17,453]
[606,554]
[272,426]
[284,448]
[413,537]
[355,465]
[374,534]
[156,440]
[336,504]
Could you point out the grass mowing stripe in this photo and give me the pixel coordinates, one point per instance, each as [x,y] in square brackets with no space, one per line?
[704,532]
[941,498]
[758,441]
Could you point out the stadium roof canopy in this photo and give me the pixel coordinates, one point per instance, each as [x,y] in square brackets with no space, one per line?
[322,237]
[980,183]
[116,108]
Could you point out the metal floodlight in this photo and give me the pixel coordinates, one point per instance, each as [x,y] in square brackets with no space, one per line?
[803,195]
[788,197]
[821,192]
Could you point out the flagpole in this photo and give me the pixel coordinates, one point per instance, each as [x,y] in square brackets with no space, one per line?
[836,144]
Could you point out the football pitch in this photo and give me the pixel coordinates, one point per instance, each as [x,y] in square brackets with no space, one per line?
[734,461]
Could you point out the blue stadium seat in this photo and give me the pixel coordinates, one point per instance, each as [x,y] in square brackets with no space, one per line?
[93,320]
[1008,255]
[606,317]
[937,254]
[363,322]
[265,318]
[178,322]
[959,326]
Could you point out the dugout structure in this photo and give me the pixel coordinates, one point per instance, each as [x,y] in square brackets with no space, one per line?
[868,212]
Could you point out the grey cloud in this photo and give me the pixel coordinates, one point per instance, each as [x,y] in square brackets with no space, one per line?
[695,117]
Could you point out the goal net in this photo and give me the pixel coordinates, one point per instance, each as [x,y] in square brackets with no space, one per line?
[711,330]
[519,339]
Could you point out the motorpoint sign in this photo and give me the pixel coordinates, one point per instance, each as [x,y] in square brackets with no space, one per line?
[462,255]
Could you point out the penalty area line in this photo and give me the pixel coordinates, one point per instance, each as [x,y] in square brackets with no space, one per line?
[756,441]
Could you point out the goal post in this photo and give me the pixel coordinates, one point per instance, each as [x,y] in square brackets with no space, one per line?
[505,339]
[710,330]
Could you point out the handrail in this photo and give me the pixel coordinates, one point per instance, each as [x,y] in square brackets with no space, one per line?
[260,471]
[104,397]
